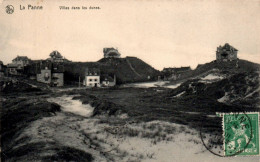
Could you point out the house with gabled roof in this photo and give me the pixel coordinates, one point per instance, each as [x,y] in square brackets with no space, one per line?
[92,77]
[18,64]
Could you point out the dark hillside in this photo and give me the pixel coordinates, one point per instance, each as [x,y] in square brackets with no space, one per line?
[230,67]
[143,68]
[131,69]
[127,70]
[72,70]
[233,66]
[239,90]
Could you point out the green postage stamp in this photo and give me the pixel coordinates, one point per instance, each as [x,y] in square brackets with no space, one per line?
[241,133]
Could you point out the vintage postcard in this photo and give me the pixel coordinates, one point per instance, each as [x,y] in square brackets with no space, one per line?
[132,80]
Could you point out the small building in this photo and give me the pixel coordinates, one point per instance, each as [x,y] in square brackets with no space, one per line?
[174,73]
[111,53]
[107,80]
[12,69]
[92,77]
[182,69]
[51,73]
[226,53]
[176,70]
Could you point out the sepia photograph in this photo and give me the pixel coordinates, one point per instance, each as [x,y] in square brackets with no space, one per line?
[129,81]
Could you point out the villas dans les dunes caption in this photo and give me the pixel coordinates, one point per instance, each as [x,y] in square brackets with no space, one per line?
[78,8]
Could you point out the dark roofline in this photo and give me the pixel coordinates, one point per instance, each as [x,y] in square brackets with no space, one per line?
[226,45]
[21,57]
[12,65]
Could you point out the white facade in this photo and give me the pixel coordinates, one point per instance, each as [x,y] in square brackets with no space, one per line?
[58,79]
[92,81]
[20,61]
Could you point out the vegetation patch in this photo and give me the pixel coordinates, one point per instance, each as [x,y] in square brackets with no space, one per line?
[17,114]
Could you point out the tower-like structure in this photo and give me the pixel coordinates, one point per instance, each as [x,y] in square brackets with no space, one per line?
[226,53]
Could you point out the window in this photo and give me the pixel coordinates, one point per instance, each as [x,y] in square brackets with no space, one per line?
[95,80]
[46,76]
[90,80]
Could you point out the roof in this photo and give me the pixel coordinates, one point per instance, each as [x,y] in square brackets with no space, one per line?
[12,65]
[178,69]
[105,50]
[228,47]
[55,54]
[92,71]
[106,77]
[41,65]
[181,69]
[22,58]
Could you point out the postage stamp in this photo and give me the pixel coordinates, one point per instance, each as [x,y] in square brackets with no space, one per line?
[241,134]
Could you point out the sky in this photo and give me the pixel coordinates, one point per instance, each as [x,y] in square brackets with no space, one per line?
[167,33]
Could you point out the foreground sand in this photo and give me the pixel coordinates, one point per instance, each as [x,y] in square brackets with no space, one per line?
[116,138]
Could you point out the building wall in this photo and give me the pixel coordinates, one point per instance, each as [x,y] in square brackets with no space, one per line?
[56,60]
[2,74]
[59,79]
[108,83]
[21,63]
[230,55]
[44,76]
[12,71]
[92,81]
